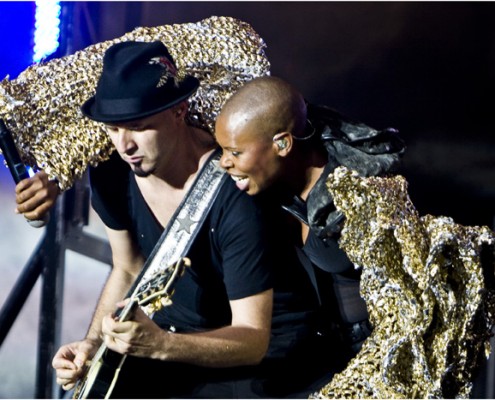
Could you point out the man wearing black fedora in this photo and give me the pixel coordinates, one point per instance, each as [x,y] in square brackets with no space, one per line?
[162,194]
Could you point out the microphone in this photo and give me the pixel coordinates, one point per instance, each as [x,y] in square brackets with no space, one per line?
[17,168]
[11,155]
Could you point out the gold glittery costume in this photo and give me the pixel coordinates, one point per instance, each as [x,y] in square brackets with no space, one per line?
[425,291]
[422,277]
[41,106]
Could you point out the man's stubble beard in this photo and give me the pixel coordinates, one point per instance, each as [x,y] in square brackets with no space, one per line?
[140,172]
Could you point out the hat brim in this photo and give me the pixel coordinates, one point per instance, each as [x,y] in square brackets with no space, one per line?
[186,89]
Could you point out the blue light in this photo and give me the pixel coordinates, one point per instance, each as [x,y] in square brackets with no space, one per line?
[47,28]
[30,171]
[16,33]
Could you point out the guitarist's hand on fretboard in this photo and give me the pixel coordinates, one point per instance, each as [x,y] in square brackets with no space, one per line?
[137,336]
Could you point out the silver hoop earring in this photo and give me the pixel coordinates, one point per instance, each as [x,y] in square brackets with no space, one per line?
[309,135]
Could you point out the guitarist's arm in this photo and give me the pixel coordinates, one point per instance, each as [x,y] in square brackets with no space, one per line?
[70,359]
[127,263]
[244,342]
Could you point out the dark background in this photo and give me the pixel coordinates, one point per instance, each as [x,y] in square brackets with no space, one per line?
[425,68]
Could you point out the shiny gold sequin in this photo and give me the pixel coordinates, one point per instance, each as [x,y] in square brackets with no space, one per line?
[425,291]
[41,106]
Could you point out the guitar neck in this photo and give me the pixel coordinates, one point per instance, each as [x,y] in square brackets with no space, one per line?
[125,313]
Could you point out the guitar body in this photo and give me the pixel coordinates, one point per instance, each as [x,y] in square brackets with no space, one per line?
[102,375]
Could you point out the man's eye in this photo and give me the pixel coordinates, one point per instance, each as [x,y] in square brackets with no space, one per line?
[235,153]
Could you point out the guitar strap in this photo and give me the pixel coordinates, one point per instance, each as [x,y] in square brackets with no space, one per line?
[186,222]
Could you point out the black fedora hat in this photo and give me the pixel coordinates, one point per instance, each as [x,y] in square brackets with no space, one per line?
[138,80]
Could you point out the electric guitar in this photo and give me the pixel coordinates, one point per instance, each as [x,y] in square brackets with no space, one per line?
[155,293]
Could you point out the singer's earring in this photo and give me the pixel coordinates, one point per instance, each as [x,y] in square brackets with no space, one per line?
[282,144]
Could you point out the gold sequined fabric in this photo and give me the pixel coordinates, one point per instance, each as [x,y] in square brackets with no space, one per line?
[423,282]
[41,106]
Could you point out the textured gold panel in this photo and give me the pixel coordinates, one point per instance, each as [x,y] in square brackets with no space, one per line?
[425,291]
[41,106]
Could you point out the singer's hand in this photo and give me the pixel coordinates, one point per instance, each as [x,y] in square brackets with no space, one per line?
[35,196]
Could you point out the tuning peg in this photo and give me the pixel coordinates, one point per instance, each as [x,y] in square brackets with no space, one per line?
[165,301]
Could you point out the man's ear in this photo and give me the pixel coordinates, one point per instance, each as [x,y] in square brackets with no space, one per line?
[180,110]
[283,143]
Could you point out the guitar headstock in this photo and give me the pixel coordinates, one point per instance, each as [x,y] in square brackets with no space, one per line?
[156,292]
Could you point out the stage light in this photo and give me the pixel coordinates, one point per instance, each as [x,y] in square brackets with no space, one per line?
[47,28]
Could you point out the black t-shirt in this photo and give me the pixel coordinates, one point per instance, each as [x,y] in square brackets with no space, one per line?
[239,251]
